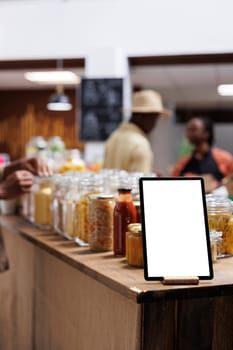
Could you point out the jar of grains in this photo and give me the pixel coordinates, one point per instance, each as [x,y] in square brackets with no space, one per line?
[100,226]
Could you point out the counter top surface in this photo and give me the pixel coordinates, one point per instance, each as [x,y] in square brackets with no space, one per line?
[114,272]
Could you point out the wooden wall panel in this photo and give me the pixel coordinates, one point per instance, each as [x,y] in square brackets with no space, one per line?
[23,114]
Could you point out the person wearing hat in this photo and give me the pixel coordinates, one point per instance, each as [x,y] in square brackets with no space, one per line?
[128,147]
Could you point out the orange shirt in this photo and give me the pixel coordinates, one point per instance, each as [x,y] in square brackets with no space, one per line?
[223,159]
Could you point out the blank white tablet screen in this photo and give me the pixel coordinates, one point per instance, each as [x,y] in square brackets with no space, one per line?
[175,228]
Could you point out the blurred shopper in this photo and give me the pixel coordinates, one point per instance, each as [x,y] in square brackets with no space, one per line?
[17,177]
[210,162]
[128,147]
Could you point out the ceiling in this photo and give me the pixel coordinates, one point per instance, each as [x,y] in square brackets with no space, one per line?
[180,85]
[187,85]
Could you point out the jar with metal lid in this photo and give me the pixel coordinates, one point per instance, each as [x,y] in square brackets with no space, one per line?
[100,222]
[134,251]
[91,184]
[219,211]
[42,202]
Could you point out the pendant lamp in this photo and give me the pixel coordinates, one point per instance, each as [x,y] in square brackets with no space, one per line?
[59,101]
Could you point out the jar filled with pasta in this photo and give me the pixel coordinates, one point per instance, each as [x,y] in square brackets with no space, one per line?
[91,184]
[100,225]
[219,211]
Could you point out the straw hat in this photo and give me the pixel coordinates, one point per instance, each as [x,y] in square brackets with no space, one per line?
[148,101]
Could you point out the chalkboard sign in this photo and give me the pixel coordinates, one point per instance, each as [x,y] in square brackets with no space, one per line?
[101,102]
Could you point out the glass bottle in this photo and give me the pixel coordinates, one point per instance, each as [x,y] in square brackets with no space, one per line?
[36,146]
[55,150]
[124,214]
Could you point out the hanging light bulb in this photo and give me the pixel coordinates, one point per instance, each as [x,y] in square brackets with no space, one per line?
[59,101]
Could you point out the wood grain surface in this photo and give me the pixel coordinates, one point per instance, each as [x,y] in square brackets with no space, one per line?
[114,271]
[58,296]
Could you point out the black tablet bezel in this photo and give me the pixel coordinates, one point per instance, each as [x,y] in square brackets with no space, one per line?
[141,181]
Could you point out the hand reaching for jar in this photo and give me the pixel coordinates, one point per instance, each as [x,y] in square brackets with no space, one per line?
[15,184]
[36,165]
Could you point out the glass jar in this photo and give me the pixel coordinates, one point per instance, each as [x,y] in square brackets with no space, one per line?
[113,179]
[70,199]
[58,195]
[219,211]
[100,228]
[134,252]
[91,184]
[55,150]
[215,244]
[124,214]
[42,202]
[36,146]
[26,206]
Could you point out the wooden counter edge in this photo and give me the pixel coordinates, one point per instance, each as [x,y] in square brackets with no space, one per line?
[140,291]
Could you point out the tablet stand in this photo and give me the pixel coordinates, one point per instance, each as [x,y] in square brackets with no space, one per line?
[180,280]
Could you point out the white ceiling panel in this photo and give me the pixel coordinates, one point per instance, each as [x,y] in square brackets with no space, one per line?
[225,74]
[194,85]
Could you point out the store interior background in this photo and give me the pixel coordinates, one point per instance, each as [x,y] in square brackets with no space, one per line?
[48,30]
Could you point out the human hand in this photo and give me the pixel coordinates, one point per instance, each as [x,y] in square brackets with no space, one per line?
[15,184]
[36,165]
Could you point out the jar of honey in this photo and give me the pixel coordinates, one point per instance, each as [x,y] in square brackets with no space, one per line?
[134,251]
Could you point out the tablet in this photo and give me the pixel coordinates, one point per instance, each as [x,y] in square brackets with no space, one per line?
[175,232]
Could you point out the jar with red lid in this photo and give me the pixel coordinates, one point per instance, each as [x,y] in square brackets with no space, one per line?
[124,214]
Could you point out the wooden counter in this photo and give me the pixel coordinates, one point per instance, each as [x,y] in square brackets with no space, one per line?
[58,296]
